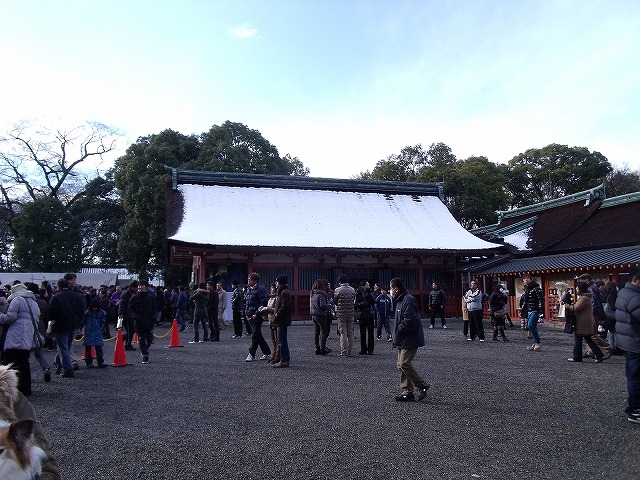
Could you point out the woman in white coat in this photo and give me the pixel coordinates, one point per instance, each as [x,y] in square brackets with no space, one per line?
[18,333]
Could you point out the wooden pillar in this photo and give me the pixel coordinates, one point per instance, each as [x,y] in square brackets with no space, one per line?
[198,267]
[293,285]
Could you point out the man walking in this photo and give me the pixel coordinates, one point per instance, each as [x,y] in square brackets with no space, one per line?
[344,297]
[408,336]
[628,339]
[533,307]
[142,311]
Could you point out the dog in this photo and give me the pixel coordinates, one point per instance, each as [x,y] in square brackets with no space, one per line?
[20,458]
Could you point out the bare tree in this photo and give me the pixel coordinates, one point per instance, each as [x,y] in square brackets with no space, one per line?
[39,162]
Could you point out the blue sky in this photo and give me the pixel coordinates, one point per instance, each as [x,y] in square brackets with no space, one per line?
[338,84]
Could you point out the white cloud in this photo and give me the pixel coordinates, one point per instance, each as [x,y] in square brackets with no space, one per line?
[243,31]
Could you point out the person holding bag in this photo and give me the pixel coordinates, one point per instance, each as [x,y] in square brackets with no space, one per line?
[584,327]
[20,334]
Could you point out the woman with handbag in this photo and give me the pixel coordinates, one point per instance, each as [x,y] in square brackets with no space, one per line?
[20,334]
[585,326]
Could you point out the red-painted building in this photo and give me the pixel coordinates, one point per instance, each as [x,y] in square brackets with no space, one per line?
[557,240]
[225,225]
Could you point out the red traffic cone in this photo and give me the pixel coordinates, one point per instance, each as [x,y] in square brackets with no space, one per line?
[175,338]
[119,356]
[135,337]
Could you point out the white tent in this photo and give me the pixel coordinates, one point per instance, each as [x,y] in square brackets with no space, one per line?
[84,279]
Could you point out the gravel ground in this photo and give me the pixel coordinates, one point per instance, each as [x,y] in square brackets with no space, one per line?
[494,410]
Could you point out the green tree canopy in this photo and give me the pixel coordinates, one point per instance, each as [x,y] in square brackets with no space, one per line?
[554,171]
[141,179]
[474,192]
[48,238]
[100,215]
[233,147]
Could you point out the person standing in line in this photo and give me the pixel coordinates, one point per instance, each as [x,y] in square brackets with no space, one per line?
[628,340]
[344,297]
[532,308]
[181,308]
[384,308]
[124,314]
[114,303]
[200,299]
[609,297]
[159,305]
[142,311]
[376,291]
[465,319]
[256,297]
[437,300]
[331,307]
[497,301]
[65,311]
[319,311]
[282,319]
[93,321]
[584,325]
[270,311]
[597,312]
[364,308]
[237,308]
[212,312]
[473,299]
[222,305]
[43,305]
[408,336]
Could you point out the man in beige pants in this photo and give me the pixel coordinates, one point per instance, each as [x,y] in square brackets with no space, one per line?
[344,297]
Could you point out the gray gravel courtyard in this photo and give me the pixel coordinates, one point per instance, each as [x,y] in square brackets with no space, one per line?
[494,410]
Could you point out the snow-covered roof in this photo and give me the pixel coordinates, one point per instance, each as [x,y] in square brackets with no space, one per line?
[308,218]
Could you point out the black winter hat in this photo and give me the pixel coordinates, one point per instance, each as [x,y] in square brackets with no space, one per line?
[282,280]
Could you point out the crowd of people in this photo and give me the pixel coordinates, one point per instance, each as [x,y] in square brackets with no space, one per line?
[58,311]
[606,318]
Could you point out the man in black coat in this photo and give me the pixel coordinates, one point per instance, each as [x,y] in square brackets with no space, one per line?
[142,311]
[628,339]
[437,299]
[408,336]
[124,317]
[365,315]
[65,311]
[212,312]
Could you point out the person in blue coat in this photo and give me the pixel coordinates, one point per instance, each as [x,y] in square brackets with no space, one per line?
[93,322]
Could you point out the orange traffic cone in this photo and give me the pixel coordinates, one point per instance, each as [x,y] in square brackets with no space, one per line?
[135,338]
[119,356]
[93,353]
[175,338]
